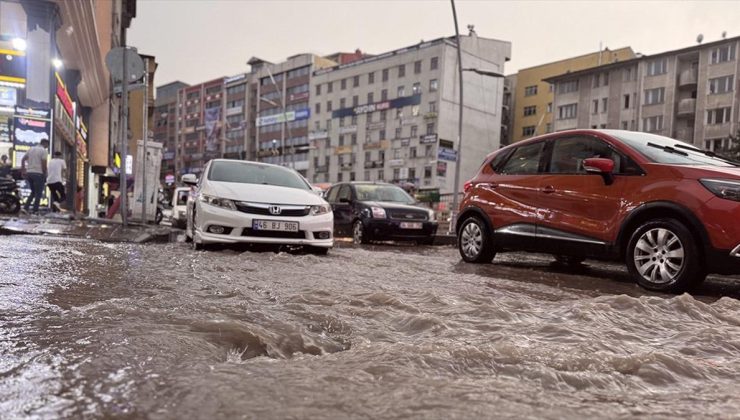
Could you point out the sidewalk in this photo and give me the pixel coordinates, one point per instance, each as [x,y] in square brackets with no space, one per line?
[98,229]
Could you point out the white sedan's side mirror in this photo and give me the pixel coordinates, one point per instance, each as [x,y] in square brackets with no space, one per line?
[318,191]
[189,179]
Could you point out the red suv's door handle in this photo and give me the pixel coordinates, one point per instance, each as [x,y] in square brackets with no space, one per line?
[548,189]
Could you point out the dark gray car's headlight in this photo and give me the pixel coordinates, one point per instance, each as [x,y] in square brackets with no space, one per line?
[218,202]
[723,188]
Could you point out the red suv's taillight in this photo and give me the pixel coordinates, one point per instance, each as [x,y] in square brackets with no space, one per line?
[468,185]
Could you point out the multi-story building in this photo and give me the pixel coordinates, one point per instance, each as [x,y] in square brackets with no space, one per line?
[507,109]
[199,125]
[235,144]
[163,127]
[279,102]
[394,116]
[533,97]
[690,94]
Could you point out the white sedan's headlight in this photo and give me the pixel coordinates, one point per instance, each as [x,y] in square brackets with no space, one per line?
[218,202]
[320,209]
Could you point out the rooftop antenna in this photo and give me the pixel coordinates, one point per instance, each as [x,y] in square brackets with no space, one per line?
[471,29]
[724,34]
[699,39]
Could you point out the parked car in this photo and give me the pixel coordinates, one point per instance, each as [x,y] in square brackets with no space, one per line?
[379,211]
[178,215]
[667,209]
[251,202]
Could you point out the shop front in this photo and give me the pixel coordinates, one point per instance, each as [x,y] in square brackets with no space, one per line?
[64,138]
[82,165]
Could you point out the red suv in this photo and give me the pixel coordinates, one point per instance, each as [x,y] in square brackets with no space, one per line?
[671,211]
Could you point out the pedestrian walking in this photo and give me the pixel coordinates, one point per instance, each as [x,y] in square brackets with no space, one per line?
[57,172]
[5,167]
[33,168]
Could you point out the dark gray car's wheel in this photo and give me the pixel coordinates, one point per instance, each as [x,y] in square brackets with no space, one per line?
[475,242]
[662,255]
[359,236]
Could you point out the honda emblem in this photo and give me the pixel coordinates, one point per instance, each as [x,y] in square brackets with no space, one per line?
[275,210]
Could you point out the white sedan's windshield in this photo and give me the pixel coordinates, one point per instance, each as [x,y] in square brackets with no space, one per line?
[390,193]
[253,173]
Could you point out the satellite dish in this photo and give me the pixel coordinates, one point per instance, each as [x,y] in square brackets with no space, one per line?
[700,38]
[724,34]
[134,63]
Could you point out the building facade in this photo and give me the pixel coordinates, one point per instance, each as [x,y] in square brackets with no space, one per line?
[163,127]
[689,94]
[533,97]
[394,117]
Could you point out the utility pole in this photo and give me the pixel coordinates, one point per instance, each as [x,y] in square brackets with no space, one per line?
[124,134]
[145,129]
[456,187]
[284,118]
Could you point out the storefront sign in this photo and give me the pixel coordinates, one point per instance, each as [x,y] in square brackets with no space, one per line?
[448,144]
[13,68]
[430,115]
[81,138]
[382,144]
[319,134]
[377,106]
[234,111]
[297,96]
[343,150]
[169,179]
[447,154]
[395,162]
[375,125]
[63,122]
[348,129]
[236,78]
[407,121]
[429,138]
[300,114]
[64,97]
[28,131]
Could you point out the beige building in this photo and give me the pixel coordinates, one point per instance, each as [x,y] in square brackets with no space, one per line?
[690,94]
[532,103]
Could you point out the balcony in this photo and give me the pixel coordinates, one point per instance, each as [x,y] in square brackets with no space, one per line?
[322,169]
[688,78]
[374,164]
[687,107]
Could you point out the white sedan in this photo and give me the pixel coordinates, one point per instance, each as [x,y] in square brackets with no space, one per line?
[249,202]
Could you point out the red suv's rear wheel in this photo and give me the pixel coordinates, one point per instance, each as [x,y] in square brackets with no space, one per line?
[475,241]
[662,255]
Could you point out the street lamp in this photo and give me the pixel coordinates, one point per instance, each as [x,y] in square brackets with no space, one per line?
[458,164]
[287,127]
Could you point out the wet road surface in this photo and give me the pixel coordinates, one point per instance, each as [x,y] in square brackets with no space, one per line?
[89,329]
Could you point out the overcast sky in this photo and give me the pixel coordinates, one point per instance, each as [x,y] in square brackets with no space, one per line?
[199,40]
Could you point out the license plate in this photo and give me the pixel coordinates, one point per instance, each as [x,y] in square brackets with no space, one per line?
[275,225]
[410,225]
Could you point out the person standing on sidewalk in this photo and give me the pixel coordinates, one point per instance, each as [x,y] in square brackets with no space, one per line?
[57,171]
[33,167]
[4,167]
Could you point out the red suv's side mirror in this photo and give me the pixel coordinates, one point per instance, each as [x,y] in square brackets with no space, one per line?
[600,166]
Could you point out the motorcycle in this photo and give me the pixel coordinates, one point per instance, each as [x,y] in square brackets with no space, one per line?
[10,202]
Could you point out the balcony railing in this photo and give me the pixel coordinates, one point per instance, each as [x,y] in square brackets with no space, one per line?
[687,77]
[687,107]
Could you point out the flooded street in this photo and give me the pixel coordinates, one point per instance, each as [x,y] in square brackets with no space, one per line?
[160,331]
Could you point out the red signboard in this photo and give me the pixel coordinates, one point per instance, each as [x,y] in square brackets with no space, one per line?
[64,97]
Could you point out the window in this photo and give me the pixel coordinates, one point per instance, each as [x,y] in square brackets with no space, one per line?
[595,106]
[604,104]
[548,128]
[384,95]
[530,90]
[355,100]
[567,87]
[416,88]
[330,87]
[343,84]
[303,71]
[354,120]
[339,179]
[652,124]
[417,67]
[414,130]
[625,125]
[566,112]
[549,107]
[383,115]
[402,70]
[568,154]
[328,124]
[627,101]
[412,152]
[356,81]
[432,106]
[328,106]
[524,160]
[597,80]
[353,139]
[396,173]
[430,128]
[428,150]
[528,131]
[434,64]
[400,92]
[371,78]
[342,103]
[721,85]
[722,54]
[654,96]
[318,89]
[368,157]
[398,133]
[318,108]
[530,110]
[657,66]
[399,113]
[370,97]
[236,89]
[385,75]
[381,175]
[627,75]
[719,115]
[433,85]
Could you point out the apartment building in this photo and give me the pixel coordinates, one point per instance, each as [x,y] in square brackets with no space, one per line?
[533,97]
[690,94]
[199,125]
[394,116]
[164,127]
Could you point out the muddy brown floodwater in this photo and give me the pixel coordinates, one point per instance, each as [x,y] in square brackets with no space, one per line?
[89,329]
